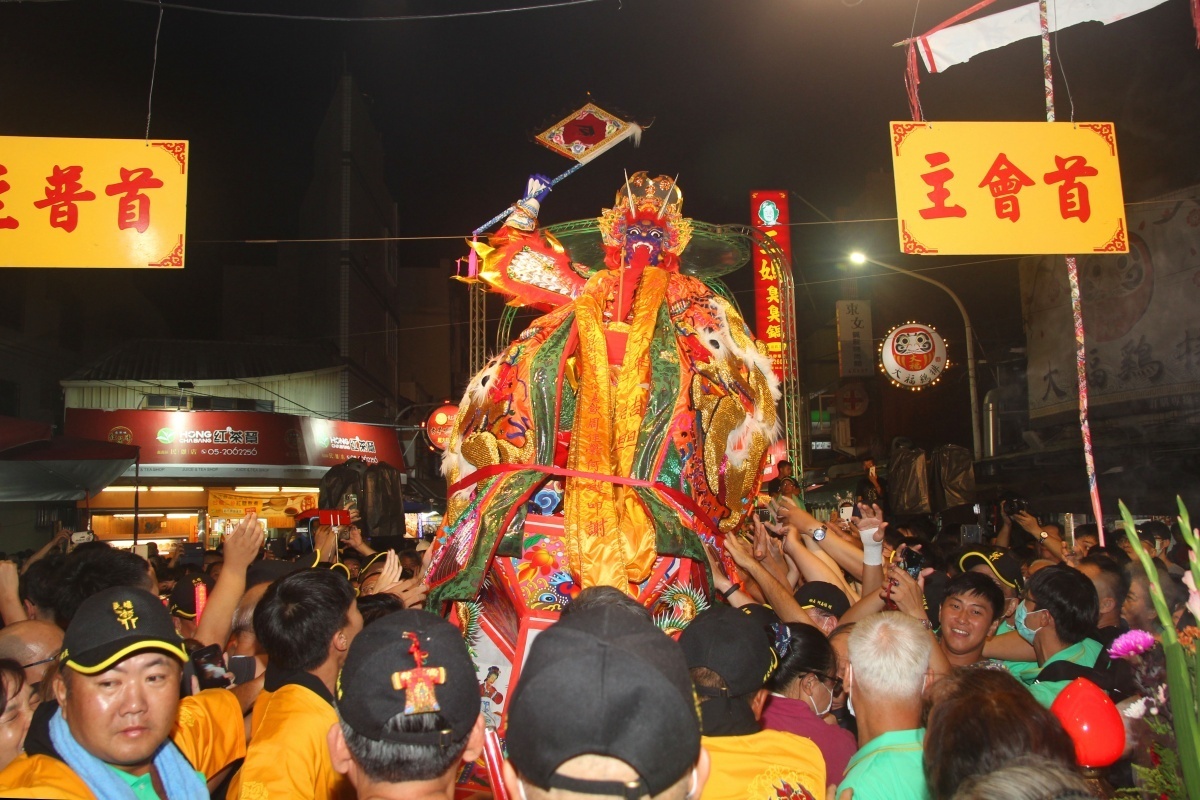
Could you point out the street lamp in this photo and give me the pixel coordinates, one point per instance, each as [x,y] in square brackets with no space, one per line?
[861,258]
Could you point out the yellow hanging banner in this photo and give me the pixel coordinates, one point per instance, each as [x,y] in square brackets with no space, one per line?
[92,202]
[983,188]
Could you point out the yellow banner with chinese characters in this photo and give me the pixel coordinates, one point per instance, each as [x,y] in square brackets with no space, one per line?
[982,188]
[232,505]
[92,202]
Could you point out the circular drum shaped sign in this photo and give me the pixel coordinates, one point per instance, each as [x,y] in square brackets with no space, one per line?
[440,425]
[913,355]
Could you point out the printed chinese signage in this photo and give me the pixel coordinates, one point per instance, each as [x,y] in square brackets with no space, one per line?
[1139,316]
[231,505]
[855,359]
[238,444]
[913,355]
[440,425]
[329,442]
[975,188]
[92,202]
[769,215]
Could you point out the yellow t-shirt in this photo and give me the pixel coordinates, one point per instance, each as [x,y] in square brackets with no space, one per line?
[768,765]
[288,755]
[208,731]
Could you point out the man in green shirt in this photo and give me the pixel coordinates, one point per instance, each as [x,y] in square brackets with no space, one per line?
[889,670]
[1058,617]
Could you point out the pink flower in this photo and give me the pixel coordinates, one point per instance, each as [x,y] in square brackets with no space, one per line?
[1132,643]
[1193,601]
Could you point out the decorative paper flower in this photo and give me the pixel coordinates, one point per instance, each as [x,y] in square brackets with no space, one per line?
[1136,709]
[1133,643]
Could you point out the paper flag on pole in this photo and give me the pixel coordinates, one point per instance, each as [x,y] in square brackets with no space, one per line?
[956,44]
[587,133]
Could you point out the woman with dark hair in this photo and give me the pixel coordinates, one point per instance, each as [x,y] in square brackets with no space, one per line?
[802,691]
[981,720]
[15,712]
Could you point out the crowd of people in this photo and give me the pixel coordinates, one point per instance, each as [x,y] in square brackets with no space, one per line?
[849,658]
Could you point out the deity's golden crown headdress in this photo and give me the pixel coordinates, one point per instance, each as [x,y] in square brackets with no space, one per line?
[661,197]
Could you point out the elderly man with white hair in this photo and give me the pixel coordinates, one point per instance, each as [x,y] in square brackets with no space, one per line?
[889,669]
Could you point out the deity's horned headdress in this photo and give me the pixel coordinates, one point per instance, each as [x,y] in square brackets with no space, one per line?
[641,195]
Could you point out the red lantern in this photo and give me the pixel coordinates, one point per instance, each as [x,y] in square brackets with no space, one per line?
[1093,722]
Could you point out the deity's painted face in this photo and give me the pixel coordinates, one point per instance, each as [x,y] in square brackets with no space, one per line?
[644,240]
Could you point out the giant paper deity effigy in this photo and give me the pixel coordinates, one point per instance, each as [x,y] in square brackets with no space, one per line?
[618,434]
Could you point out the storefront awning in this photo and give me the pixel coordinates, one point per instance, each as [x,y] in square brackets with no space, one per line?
[239,446]
[37,468]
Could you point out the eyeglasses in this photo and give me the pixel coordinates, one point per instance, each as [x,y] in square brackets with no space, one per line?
[39,663]
[836,682]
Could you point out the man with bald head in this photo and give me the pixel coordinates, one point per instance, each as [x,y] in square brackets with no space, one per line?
[34,644]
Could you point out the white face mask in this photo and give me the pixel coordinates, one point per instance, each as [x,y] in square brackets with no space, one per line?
[828,705]
[850,705]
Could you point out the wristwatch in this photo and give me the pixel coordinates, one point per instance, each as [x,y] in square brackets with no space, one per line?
[818,534]
[1044,534]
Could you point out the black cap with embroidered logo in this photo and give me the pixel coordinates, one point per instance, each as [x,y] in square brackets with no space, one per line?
[115,623]
[182,602]
[732,644]
[605,682]
[407,663]
[1000,561]
[824,596]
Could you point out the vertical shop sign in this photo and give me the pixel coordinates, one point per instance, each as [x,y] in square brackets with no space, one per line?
[855,352]
[769,215]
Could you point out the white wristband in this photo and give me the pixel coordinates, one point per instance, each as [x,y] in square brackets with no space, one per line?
[872,550]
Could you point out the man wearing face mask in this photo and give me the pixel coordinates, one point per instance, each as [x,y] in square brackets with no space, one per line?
[1057,617]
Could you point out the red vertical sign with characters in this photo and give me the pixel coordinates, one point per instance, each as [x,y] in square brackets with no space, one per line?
[769,215]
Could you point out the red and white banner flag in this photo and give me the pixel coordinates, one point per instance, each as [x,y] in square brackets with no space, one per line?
[957,44]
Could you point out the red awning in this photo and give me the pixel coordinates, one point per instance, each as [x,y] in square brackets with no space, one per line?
[37,468]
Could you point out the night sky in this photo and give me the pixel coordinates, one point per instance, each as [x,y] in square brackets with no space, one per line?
[789,94]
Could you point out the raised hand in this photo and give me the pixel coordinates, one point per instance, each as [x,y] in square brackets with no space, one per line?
[242,546]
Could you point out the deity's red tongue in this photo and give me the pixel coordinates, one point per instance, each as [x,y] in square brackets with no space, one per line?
[640,258]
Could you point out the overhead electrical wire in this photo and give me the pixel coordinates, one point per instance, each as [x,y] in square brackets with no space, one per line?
[465,236]
[322,18]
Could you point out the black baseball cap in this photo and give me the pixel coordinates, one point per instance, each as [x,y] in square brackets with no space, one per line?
[115,623]
[405,663]
[182,602]
[1153,529]
[606,682]
[1000,560]
[824,596]
[733,644]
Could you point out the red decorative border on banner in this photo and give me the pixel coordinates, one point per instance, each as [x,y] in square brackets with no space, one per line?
[1117,243]
[911,245]
[171,259]
[1105,131]
[177,150]
[901,130]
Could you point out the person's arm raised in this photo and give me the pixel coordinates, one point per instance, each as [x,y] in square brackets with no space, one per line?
[241,548]
[778,596]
